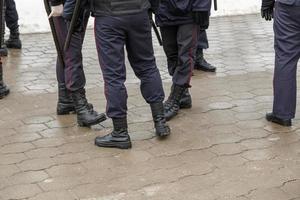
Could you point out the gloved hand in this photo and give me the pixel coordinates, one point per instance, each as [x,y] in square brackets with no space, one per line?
[56,11]
[267,9]
[201,18]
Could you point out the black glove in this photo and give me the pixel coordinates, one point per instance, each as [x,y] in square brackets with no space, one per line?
[267,8]
[201,18]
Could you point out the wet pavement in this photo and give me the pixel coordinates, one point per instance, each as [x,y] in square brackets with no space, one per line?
[221,149]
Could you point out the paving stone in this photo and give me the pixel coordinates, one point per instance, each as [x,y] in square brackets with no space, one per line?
[142,135]
[27,177]
[66,170]
[263,154]
[43,152]
[36,164]
[251,124]
[253,133]
[19,138]
[228,161]
[31,128]
[6,132]
[8,170]
[71,158]
[49,142]
[38,120]
[292,188]
[60,183]
[272,193]
[248,116]
[20,191]
[16,148]
[65,195]
[256,143]
[221,105]
[8,159]
[228,149]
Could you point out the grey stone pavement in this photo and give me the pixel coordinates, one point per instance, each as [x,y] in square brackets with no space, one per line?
[221,149]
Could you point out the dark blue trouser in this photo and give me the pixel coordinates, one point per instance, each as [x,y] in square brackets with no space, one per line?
[134,32]
[11,15]
[202,40]
[71,73]
[180,43]
[287,50]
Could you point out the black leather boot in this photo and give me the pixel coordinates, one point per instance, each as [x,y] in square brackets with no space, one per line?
[4,90]
[65,104]
[14,41]
[118,138]
[283,122]
[161,127]
[85,115]
[202,64]
[172,105]
[185,101]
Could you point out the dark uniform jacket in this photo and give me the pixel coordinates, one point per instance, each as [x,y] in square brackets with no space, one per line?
[118,7]
[290,2]
[177,12]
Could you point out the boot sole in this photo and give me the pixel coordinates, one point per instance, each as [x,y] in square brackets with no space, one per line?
[70,110]
[88,124]
[119,145]
[282,123]
[185,106]
[164,133]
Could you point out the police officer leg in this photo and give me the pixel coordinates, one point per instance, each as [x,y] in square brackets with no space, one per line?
[287,50]
[141,57]
[4,90]
[11,19]
[169,37]
[75,79]
[65,104]
[110,41]
[186,39]
[200,62]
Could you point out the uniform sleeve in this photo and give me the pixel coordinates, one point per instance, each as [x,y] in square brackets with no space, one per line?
[69,9]
[55,2]
[201,5]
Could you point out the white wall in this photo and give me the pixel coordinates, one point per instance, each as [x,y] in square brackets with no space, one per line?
[33,18]
[237,7]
